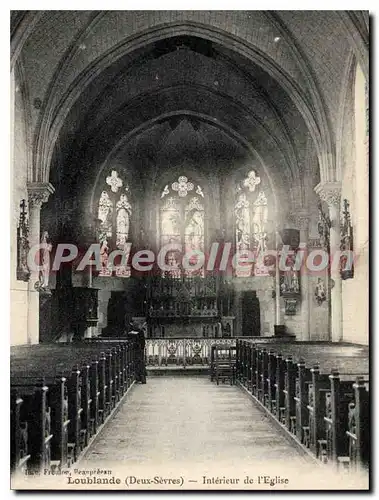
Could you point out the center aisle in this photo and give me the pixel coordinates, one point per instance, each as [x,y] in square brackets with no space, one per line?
[187,419]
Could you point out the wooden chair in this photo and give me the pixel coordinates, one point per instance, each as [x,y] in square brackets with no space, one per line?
[225,363]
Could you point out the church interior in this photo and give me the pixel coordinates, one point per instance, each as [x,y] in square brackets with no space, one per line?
[214,136]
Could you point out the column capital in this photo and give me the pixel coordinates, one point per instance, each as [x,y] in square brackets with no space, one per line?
[330,192]
[38,193]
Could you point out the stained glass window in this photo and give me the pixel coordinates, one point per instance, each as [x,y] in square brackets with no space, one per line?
[260,218]
[194,225]
[251,216]
[242,211]
[124,210]
[182,222]
[105,215]
[170,221]
[114,218]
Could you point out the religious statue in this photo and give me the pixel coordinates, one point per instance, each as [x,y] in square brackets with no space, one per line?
[294,282]
[23,272]
[205,331]
[105,214]
[173,263]
[320,292]
[242,222]
[218,330]
[227,330]
[194,230]
[104,253]
[290,279]
[124,210]
[123,269]
[171,222]
[46,248]
[347,246]
[104,259]
[259,222]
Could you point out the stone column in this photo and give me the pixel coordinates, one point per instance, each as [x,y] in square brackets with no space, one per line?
[300,221]
[330,192]
[38,193]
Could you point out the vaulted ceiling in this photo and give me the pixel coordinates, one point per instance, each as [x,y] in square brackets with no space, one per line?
[263,86]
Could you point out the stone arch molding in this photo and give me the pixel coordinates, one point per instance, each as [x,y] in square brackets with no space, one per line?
[288,158]
[232,133]
[52,118]
[346,99]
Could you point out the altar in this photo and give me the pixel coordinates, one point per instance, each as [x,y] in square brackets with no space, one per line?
[188,308]
[191,330]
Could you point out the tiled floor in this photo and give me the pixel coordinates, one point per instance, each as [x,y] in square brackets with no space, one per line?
[173,419]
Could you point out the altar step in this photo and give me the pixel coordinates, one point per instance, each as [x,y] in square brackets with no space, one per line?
[178,370]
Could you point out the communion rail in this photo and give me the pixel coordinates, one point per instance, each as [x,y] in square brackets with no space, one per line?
[187,352]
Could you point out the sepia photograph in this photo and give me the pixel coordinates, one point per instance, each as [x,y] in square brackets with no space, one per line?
[189,250]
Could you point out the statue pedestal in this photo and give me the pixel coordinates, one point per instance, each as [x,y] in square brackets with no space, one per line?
[91,328]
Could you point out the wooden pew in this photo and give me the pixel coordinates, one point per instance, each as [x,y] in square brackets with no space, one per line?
[81,385]
[109,366]
[337,418]
[308,389]
[19,435]
[241,365]
[115,375]
[264,377]
[271,381]
[303,380]
[252,370]
[246,375]
[35,411]
[85,382]
[290,394]
[259,373]
[294,386]
[317,392]
[300,395]
[250,379]
[125,370]
[279,388]
[65,410]
[327,400]
[358,432]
